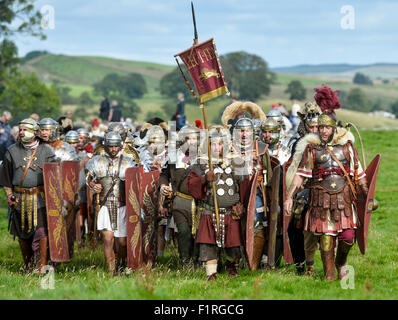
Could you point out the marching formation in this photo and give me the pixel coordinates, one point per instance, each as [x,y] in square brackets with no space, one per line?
[244,194]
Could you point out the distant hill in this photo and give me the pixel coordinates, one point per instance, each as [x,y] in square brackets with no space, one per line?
[375,71]
[85,71]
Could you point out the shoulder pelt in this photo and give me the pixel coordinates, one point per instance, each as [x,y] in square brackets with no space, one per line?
[231,112]
[341,137]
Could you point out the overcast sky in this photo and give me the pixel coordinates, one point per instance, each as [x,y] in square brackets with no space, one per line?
[283,32]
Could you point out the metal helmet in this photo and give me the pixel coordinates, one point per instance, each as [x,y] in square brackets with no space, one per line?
[32,129]
[326,119]
[72,136]
[244,123]
[130,139]
[48,123]
[128,127]
[155,134]
[274,113]
[113,139]
[217,132]
[188,131]
[119,128]
[83,132]
[272,124]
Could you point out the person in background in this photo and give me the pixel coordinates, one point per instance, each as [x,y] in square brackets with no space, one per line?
[115,114]
[5,133]
[104,109]
[294,119]
[35,117]
[180,113]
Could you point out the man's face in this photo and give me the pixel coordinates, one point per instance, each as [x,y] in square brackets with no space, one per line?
[156,147]
[325,133]
[25,134]
[245,136]
[45,134]
[82,141]
[312,128]
[113,151]
[74,144]
[22,130]
[217,147]
[267,134]
[191,144]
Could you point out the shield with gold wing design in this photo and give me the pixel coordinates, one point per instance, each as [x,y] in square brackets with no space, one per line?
[56,213]
[141,213]
[70,182]
[365,205]
[149,186]
[133,218]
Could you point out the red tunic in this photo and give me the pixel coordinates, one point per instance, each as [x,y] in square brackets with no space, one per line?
[206,232]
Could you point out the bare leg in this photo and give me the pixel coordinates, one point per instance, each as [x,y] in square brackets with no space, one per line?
[109,253]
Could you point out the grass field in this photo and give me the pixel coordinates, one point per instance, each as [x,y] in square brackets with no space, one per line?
[86,278]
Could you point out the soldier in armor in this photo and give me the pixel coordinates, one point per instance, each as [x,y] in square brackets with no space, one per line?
[106,177]
[256,157]
[308,115]
[23,182]
[49,133]
[173,184]
[84,141]
[271,134]
[154,153]
[229,188]
[330,161]
[74,139]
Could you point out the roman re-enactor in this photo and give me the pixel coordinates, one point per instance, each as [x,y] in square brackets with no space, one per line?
[330,161]
[49,133]
[256,159]
[106,177]
[22,178]
[173,182]
[229,186]
[308,115]
[73,138]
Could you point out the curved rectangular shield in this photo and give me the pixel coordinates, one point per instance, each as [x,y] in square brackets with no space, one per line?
[148,193]
[70,183]
[274,214]
[363,204]
[249,230]
[141,215]
[57,228]
[287,254]
[133,218]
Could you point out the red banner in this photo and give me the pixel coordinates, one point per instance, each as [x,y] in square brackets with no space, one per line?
[205,69]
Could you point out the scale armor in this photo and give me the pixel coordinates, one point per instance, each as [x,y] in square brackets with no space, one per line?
[102,169]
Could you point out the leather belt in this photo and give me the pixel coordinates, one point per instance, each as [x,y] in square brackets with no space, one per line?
[29,191]
[220,210]
[184,196]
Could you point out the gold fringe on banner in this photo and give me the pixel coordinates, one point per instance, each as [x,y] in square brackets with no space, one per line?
[213,94]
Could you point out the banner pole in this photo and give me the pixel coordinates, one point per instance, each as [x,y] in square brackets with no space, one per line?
[213,184]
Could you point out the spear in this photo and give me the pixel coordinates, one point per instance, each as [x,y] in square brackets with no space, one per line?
[202,106]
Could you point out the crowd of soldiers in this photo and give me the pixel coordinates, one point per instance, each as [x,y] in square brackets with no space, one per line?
[242,194]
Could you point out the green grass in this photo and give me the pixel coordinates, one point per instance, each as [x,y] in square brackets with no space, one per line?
[86,278]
